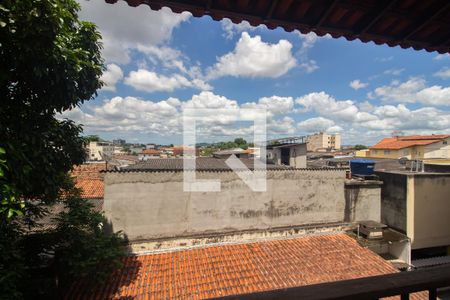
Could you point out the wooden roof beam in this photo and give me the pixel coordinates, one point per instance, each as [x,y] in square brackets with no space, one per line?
[380,13]
[269,13]
[325,14]
[427,21]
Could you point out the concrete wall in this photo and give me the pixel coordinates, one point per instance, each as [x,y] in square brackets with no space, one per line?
[431,224]
[419,205]
[149,205]
[297,156]
[393,200]
[362,200]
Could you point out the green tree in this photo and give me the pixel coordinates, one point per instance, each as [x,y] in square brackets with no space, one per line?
[360,147]
[49,62]
[92,138]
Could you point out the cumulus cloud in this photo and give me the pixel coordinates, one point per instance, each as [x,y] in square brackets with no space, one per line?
[357,84]
[275,105]
[412,91]
[111,77]
[254,58]
[363,123]
[124,28]
[230,29]
[315,125]
[443,73]
[144,80]
[131,114]
[325,105]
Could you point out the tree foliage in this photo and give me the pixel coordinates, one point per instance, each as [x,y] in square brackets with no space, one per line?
[49,62]
[360,147]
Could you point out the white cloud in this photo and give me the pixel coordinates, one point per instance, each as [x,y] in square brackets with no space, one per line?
[254,58]
[443,73]
[144,80]
[357,84]
[111,76]
[394,72]
[441,56]
[230,29]
[315,125]
[275,105]
[327,106]
[124,28]
[412,91]
[308,42]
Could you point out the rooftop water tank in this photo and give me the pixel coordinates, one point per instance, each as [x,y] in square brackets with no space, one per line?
[362,166]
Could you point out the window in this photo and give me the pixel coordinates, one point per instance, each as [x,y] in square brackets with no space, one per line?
[444,142]
[405,152]
[387,151]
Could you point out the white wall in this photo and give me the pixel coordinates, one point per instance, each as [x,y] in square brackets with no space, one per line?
[438,150]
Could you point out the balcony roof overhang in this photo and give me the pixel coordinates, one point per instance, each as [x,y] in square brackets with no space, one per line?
[406,23]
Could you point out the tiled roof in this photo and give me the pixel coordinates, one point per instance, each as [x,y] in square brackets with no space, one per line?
[89,171]
[151,152]
[91,188]
[236,269]
[395,143]
[406,23]
[202,164]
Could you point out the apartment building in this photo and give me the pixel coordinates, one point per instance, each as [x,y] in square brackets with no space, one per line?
[99,150]
[323,140]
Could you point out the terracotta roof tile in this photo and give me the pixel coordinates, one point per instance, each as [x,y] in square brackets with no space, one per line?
[91,188]
[395,143]
[89,171]
[236,269]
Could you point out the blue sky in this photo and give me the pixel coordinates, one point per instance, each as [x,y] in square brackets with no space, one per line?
[159,63]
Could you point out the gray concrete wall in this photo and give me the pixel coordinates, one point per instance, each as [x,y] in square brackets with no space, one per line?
[393,200]
[431,224]
[150,205]
[362,200]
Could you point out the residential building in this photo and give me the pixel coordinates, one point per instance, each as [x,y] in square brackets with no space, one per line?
[323,141]
[412,147]
[417,204]
[150,146]
[149,153]
[180,151]
[288,154]
[100,150]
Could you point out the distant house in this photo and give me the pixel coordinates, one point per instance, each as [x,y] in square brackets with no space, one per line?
[288,154]
[412,147]
[149,153]
[180,151]
[99,150]
[324,141]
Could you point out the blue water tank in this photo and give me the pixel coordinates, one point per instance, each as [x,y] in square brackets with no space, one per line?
[362,166]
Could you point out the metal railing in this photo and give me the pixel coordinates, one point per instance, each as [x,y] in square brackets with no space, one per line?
[398,284]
